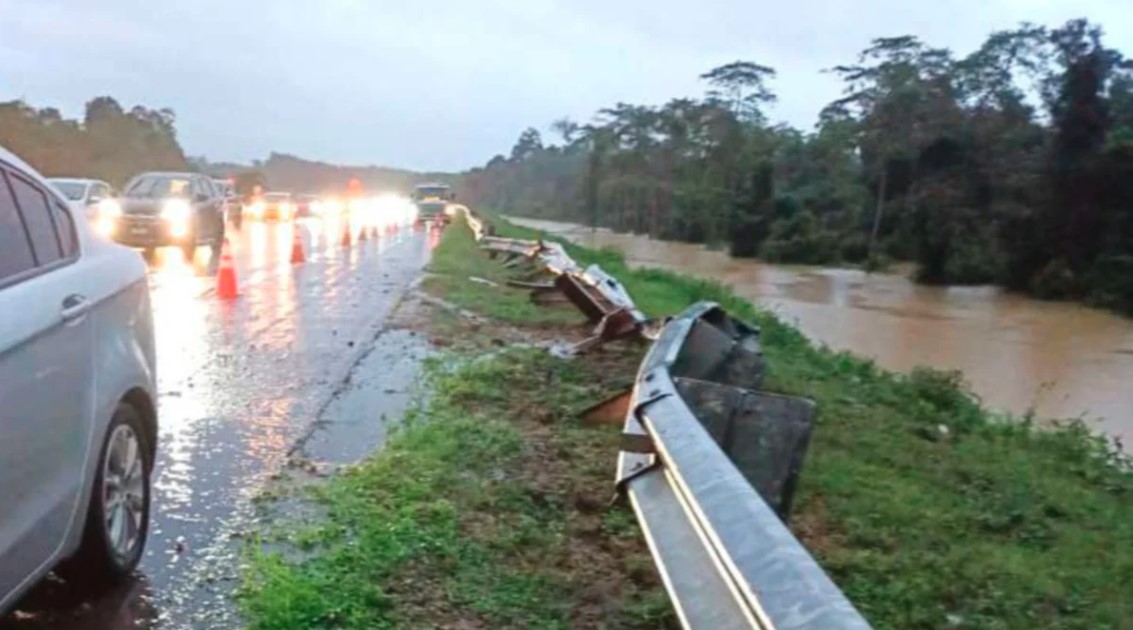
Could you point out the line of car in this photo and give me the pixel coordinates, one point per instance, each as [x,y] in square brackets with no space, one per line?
[78,402]
[190,210]
[155,209]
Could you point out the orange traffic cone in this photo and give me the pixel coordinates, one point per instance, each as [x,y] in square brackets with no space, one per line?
[226,275]
[297,254]
[373,231]
[362,234]
[346,233]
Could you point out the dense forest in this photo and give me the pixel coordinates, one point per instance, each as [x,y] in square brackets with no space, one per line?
[114,144]
[109,143]
[1013,164]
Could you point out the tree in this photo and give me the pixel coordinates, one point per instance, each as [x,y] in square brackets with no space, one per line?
[743,86]
[1080,113]
[528,143]
[108,143]
[894,78]
[567,129]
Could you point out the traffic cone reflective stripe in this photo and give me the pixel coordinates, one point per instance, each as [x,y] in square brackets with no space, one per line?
[226,275]
[298,256]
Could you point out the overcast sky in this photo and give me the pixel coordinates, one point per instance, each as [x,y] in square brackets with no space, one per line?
[446,84]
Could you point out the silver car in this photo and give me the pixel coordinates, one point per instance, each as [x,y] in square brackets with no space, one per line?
[85,194]
[78,422]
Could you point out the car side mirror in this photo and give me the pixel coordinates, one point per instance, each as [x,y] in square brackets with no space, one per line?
[200,197]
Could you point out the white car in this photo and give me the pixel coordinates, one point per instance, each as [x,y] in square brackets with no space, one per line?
[85,194]
[78,421]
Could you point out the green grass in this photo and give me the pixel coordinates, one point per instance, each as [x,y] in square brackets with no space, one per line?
[460,258]
[468,516]
[988,523]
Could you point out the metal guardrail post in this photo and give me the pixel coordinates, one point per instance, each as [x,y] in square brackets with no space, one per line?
[725,555]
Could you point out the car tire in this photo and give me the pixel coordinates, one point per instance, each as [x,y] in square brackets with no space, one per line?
[149,253]
[109,551]
[189,248]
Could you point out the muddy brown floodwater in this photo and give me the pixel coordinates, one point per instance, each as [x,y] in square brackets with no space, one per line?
[1063,360]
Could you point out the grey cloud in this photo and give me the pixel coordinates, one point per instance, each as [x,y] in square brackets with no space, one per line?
[440,84]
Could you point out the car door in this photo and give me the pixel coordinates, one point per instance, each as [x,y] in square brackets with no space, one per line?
[46,377]
[202,209]
[215,209]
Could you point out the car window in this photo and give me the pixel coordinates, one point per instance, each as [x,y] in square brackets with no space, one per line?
[157,186]
[37,218]
[200,187]
[139,187]
[68,240]
[15,250]
[101,191]
[71,190]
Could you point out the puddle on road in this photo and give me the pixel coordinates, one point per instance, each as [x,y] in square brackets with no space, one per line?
[378,391]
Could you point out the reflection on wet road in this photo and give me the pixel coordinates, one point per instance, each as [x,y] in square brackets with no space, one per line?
[239,383]
[1063,360]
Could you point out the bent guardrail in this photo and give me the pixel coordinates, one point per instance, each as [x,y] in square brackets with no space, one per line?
[708,463]
[709,472]
[600,296]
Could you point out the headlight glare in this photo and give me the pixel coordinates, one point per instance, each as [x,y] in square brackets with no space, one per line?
[176,210]
[109,209]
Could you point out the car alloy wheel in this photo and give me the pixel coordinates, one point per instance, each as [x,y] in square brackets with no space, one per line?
[123,491]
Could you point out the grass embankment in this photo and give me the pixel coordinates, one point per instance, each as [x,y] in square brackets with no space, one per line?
[488,508]
[927,510]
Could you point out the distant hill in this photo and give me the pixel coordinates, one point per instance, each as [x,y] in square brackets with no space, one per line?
[288,172]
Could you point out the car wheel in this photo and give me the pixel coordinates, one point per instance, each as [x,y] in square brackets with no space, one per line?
[118,516]
[189,248]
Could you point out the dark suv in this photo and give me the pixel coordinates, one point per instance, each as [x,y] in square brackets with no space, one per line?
[179,209]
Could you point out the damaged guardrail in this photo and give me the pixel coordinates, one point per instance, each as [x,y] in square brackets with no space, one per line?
[709,467]
[708,463]
[600,296]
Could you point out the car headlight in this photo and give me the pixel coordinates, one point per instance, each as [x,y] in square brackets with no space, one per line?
[109,209]
[176,210]
[176,213]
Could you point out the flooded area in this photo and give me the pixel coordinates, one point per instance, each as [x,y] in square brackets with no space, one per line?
[1062,360]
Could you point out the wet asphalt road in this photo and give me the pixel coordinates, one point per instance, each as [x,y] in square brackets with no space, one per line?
[241,384]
